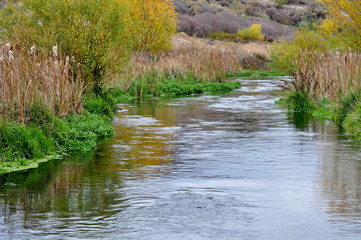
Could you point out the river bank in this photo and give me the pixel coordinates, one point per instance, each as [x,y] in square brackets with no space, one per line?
[51,137]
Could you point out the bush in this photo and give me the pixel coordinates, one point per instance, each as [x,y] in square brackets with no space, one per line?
[153,24]
[93,31]
[252,33]
[286,54]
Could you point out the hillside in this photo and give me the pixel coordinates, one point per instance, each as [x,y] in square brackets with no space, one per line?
[278,17]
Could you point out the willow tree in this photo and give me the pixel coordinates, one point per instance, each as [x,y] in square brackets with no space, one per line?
[345,20]
[154,23]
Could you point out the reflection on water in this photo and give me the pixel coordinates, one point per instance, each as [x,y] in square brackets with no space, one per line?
[233,166]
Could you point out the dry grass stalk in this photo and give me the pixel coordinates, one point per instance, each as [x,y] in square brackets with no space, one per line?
[329,74]
[34,77]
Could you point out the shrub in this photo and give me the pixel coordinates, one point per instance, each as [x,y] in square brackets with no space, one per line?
[252,33]
[153,25]
[287,54]
[345,15]
[93,31]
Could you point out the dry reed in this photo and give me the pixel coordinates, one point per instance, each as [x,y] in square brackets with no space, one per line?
[206,62]
[28,78]
[328,74]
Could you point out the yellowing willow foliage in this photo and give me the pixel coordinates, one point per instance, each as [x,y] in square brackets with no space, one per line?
[345,20]
[154,22]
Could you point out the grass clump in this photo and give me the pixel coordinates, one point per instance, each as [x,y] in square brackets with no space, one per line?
[297,102]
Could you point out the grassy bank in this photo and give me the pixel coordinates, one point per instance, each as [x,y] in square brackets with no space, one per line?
[344,111]
[45,136]
[57,101]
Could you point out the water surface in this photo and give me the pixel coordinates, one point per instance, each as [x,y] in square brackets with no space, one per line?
[231,166]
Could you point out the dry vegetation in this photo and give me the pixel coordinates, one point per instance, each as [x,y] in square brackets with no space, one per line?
[29,77]
[328,74]
[205,61]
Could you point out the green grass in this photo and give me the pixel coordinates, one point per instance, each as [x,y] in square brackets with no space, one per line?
[345,112]
[22,146]
[297,102]
[154,85]
[256,73]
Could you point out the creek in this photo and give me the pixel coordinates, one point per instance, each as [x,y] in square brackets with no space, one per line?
[229,166]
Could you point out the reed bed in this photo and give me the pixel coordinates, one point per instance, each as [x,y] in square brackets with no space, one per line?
[329,74]
[30,77]
[192,56]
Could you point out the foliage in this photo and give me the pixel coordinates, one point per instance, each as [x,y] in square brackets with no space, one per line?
[154,23]
[346,19]
[254,32]
[85,131]
[93,31]
[99,34]
[286,54]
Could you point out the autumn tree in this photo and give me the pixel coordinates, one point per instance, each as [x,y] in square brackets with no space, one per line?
[344,21]
[153,24]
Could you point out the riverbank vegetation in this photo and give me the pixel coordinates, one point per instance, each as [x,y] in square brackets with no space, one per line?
[326,64]
[64,65]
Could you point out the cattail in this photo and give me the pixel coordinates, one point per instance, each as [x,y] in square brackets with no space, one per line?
[7,47]
[55,51]
[11,57]
[32,50]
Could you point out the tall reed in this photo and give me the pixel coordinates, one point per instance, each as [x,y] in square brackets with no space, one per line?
[31,77]
[328,74]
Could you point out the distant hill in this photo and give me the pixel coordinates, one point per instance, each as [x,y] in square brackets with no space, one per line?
[277,17]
